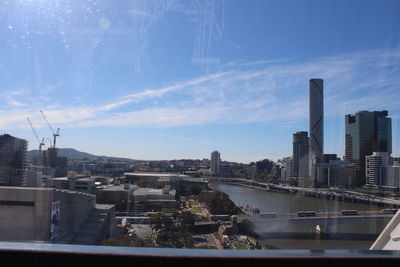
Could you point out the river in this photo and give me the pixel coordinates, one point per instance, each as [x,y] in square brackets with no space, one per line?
[351,236]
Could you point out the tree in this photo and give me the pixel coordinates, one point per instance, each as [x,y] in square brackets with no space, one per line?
[247,227]
[128,241]
[187,221]
[180,191]
[264,166]
[170,234]
[219,203]
[195,190]
[160,222]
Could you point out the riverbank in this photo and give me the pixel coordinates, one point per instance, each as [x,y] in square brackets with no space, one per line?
[357,235]
[346,196]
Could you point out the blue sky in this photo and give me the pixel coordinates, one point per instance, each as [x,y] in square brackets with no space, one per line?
[178,79]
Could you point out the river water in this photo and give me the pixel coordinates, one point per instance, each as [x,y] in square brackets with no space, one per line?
[351,236]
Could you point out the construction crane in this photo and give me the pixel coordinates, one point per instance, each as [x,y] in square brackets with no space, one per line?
[55,133]
[41,142]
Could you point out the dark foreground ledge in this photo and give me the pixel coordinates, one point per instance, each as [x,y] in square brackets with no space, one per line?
[39,253]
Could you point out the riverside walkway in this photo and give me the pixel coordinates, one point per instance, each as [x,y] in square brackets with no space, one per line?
[328,193]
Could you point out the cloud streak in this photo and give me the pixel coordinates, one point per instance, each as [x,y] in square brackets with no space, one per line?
[246,92]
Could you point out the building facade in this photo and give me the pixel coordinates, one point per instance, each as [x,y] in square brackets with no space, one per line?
[215,163]
[392,176]
[335,173]
[52,215]
[366,132]
[375,172]
[13,161]
[316,141]
[300,158]
[286,171]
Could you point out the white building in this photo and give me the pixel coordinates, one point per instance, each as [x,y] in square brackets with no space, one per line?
[374,164]
[286,170]
[392,174]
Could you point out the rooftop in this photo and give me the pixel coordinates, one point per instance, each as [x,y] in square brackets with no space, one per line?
[120,187]
[151,191]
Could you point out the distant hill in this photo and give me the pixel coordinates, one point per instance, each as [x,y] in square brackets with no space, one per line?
[75,154]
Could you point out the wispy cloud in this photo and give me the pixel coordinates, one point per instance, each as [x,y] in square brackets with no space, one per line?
[246,92]
[156,93]
[189,139]
[139,12]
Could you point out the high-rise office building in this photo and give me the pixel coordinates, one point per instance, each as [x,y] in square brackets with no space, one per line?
[316,141]
[375,164]
[13,161]
[286,171]
[392,176]
[366,132]
[215,163]
[300,156]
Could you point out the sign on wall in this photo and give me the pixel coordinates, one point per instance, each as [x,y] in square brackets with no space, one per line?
[55,219]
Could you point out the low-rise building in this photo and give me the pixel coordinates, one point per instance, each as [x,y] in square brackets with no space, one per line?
[74,182]
[118,194]
[151,177]
[150,199]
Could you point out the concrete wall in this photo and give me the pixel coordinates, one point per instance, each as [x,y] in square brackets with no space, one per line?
[21,222]
[75,209]
[25,212]
[109,227]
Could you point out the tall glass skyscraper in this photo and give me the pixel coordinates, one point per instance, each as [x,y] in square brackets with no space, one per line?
[215,163]
[300,156]
[366,132]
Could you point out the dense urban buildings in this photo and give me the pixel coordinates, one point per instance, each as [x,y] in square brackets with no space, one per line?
[13,161]
[316,141]
[335,172]
[366,132]
[215,163]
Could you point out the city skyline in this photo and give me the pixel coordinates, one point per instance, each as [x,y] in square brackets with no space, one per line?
[174,95]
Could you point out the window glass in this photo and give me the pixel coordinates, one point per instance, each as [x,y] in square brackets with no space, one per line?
[215,124]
